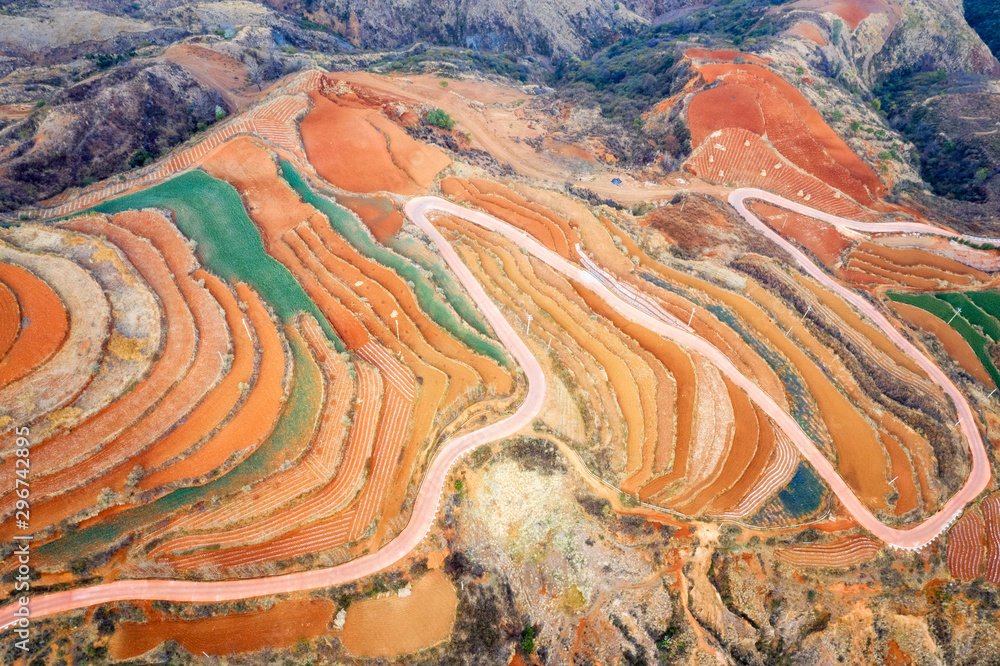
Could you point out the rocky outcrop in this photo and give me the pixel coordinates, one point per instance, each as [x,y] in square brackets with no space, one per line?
[92,130]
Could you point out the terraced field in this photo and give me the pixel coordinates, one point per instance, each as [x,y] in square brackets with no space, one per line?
[228,374]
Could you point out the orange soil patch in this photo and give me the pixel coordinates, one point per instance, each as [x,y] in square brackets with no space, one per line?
[903,474]
[853,12]
[882,269]
[954,344]
[252,423]
[966,546]
[278,627]
[202,374]
[600,347]
[248,166]
[845,552]
[860,458]
[10,319]
[764,446]
[567,150]
[740,98]
[384,290]
[546,227]
[822,239]
[948,269]
[197,425]
[807,31]
[45,324]
[359,150]
[740,454]
[794,127]
[921,457]
[178,349]
[396,625]
[724,56]
[895,656]
[871,334]
[378,214]
[991,513]
[313,471]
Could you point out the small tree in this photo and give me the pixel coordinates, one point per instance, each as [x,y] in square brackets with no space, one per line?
[440,118]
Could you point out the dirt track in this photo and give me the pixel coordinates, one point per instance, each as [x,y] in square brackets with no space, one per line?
[425,509]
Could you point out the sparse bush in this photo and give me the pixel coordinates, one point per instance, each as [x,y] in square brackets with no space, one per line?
[440,118]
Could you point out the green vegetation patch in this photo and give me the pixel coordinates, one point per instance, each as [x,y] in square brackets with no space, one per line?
[291,435]
[348,227]
[944,311]
[210,211]
[972,313]
[984,18]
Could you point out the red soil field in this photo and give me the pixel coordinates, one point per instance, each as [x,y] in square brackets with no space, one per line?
[845,552]
[952,341]
[853,12]
[395,625]
[991,513]
[903,474]
[203,373]
[46,329]
[278,627]
[880,268]
[764,447]
[10,319]
[268,535]
[807,31]
[740,454]
[966,545]
[948,269]
[384,291]
[178,349]
[822,239]
[739,98]
[359,150]
[197,425]
[512,208]
[723,56]
[355,521]
[793,126]
[255,418]
[378,214]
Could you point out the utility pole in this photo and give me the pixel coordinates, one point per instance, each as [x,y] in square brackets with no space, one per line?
[808,310]
[528,325]
[395,319]
[959,421]
[991,393]
[957,312]
[691,318]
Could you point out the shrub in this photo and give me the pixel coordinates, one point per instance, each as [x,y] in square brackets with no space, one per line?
[440,118]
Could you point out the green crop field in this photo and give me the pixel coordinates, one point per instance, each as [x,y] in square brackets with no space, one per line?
[943,310]
[973,313]
[211,212]
[347,226]
[291,435]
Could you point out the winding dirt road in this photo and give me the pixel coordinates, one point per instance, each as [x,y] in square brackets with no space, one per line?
[428,498]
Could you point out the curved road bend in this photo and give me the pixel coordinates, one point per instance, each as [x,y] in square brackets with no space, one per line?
[421,520]
[428,498]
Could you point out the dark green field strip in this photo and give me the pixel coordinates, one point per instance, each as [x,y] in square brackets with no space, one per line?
[291,435]
[973,313]
[348,227]
[987,300]
[944,311]
[211,212]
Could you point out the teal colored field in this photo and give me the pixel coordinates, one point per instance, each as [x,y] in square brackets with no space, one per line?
[210,212]
[291,435]
[800,499]
[943,310]
[348,226]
